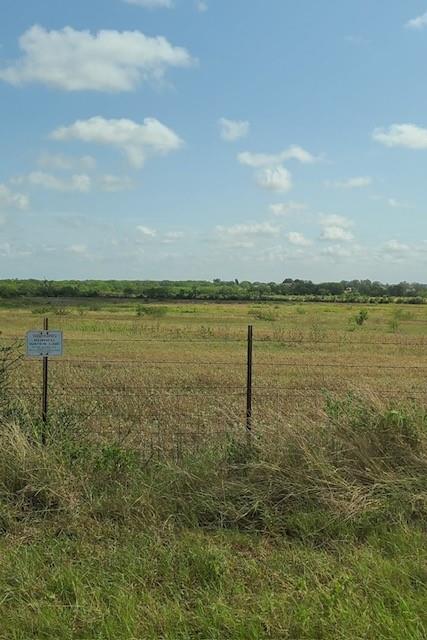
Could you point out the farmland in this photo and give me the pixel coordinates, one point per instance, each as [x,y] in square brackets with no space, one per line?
[174,372]
[149,514]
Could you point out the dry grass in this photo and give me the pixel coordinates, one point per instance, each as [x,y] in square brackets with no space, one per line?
[180,377]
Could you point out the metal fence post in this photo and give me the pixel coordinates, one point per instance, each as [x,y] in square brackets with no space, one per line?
[45,387]
[249,381]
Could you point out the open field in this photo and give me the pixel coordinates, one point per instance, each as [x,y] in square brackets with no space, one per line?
[313,530]
[175,374]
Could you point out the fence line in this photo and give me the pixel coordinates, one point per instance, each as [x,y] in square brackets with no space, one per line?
[156,407]
[78,363]
[405,342]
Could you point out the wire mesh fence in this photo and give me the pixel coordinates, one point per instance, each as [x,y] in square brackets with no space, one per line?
[167,392]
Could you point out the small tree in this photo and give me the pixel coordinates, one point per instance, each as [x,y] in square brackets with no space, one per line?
[361,317]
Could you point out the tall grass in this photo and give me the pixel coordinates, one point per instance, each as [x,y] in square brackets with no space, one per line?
[361,466]
[311,529]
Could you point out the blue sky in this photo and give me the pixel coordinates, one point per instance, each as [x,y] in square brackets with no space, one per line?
[176,139]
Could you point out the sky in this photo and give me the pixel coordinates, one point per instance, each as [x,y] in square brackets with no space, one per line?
[201,139]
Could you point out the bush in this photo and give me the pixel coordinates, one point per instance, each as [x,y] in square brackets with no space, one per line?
[266,314]
[361,318]
[152,311]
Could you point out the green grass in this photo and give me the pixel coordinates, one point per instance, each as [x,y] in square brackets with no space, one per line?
[119,583]
[312,531]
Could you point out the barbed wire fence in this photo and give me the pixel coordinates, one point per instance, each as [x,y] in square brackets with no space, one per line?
[176,399]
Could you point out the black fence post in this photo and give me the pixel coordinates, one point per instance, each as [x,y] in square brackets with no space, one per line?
[249,382]
[45,398]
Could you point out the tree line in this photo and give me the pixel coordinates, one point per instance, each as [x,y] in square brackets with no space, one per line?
[288,289]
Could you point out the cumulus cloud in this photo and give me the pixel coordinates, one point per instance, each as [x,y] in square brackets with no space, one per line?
[332,220]
[402,135]
[298,239]
[172,236]
[249,229]
[62,162]
[272,175]
[395,247]
[77,182]
[79,60]
[275,179]
[337,233]
[147,232]
[151,4]
[244,235]
[287,208]
[11,200]
[232,130]
[417,23]
[115,183]
[257,160]
[352,183]
[336,228]
[337,251]
[135,140]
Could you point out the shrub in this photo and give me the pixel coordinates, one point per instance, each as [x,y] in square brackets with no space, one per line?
[152,311]
[361,317]
[266,314]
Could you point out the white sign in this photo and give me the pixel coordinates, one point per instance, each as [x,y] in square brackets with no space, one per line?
[44,343]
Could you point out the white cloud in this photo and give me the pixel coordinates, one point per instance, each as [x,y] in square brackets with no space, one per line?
[249,229]
[298,239]
[61,162]
[172,236]
[151,4]
[201,6]
[352,183]
[336,234]
[332,220]
[402,135]
[275,179]
[244,235]
[115,183]
[257,160]
[79,60]
[135,140]
[11,200]
[336,228]
[337,251]
[78,249]
[77,182]
[395,247]
[286,208]
[146,231]
[232,130]
[417,23]
[398,204]
[8,250]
